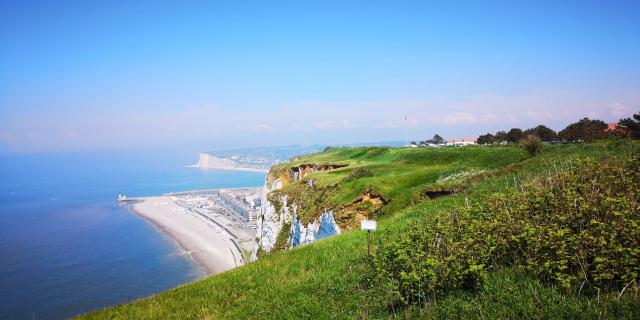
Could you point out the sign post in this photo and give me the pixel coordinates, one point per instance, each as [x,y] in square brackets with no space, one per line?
[368,225]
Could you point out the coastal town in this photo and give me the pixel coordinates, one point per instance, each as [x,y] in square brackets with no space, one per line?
[216,226]
[238,208]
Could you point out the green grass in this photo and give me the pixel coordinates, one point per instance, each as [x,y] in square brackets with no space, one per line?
[400,175]
[512,295]
[328,279]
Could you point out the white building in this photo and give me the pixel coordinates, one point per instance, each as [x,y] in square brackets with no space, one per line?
[461,142]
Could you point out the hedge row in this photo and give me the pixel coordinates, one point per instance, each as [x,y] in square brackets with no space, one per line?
[577,228]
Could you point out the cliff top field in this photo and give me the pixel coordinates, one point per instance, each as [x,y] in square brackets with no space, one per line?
[408,189]
[377,181]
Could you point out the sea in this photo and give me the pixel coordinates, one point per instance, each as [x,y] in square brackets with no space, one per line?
[68,247]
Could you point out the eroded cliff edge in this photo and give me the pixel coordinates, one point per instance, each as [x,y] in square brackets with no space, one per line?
[297,210]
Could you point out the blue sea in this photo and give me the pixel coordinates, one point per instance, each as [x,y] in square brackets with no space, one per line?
[66,245]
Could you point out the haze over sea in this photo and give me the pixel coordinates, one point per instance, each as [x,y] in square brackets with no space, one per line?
[67,246]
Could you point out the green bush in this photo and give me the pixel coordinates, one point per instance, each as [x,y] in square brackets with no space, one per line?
[358,173]
[532,144]
[578,229]
[282,240]
[426,262]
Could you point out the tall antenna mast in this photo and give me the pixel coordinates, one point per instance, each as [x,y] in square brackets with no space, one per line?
[406,139]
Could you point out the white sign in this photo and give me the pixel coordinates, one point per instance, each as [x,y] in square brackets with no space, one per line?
[369,225]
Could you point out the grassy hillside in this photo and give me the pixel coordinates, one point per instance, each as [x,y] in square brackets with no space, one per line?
[332,278]
[399,176]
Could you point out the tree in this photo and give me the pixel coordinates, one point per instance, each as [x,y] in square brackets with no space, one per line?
[584,130]
[437,139]
[542,132]
[486,139]
[632,125]
[515,135]
[500,136]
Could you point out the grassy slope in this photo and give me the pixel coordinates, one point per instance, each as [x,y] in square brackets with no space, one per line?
[399,175]
[326,279]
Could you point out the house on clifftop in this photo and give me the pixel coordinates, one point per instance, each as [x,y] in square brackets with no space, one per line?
[461,142]
[616,129]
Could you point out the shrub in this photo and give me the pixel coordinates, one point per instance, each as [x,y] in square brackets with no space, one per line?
[578,229]
[426,262]
[282,240]
[357,174]
[532,144]
[376,151]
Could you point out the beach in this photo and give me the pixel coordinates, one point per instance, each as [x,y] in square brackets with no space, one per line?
[207,242]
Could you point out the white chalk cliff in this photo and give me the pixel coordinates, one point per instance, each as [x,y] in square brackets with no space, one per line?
[271,221]
[207,161]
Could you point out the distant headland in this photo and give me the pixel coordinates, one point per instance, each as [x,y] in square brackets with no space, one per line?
[254,159]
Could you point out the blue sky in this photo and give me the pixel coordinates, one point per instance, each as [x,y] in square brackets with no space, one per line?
[192,75]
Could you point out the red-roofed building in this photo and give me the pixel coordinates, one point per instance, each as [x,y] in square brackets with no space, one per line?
[616,129]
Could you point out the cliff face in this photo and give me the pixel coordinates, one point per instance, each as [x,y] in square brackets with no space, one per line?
[271,220]
[323,227]
[279,225]
[207,161]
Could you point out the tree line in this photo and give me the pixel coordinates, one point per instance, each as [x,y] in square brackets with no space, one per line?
[582,131]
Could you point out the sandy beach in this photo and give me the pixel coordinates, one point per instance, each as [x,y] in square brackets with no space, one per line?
[209,244]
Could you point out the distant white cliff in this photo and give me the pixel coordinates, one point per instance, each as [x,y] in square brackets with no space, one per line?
[251,159]
[208,161]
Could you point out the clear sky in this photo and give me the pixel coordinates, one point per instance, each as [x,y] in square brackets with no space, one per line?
[190,75]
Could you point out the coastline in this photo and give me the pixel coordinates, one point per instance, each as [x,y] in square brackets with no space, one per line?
[207,244]
[230,169]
